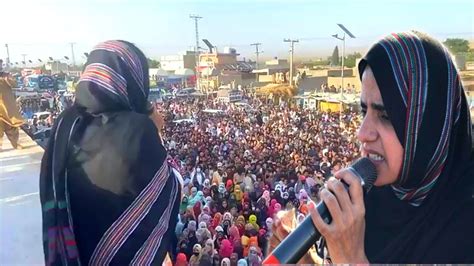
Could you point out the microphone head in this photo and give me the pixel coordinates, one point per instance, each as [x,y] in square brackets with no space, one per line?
[367,171]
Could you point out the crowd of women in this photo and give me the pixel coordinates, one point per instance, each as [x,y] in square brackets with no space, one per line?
[241,167]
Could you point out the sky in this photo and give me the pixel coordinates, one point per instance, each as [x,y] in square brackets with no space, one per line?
[43,28]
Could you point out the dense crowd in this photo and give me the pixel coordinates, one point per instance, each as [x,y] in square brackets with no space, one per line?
[41,112]
[242,165]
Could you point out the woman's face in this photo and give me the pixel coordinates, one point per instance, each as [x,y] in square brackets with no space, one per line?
[377,136]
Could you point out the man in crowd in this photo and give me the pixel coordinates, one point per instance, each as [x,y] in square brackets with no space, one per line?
[10,118]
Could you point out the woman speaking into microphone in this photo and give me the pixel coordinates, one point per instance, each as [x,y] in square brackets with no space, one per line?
[416,129]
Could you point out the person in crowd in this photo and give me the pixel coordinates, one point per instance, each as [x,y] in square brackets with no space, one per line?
[108,193]
[10,118]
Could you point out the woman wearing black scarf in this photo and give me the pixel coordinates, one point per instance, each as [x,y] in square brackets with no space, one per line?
[107,193]
[417,131]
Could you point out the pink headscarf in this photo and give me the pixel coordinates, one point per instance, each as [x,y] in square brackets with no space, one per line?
[226,249]
[266,196]
[234,234]
[271,210]
[303,195]
[277,208]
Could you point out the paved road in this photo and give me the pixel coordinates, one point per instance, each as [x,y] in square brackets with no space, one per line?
[20,209]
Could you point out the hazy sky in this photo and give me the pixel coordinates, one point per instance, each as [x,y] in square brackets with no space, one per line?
[42,28]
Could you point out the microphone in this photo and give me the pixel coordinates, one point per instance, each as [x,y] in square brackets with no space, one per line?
[298,242]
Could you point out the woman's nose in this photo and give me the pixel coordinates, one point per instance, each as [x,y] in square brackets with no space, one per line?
[367,131]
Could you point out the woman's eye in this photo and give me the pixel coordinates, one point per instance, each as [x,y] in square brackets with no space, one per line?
[384,116]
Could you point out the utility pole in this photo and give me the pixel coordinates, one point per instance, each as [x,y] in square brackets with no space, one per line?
[257,52]
[196,49]
[256,61]
[72,54]
[292,48]
[8,57]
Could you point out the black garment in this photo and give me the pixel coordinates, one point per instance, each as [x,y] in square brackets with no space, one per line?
[105,184]
[440,229]
[430,234]
[124,146]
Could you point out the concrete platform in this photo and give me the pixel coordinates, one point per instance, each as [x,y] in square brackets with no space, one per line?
[20,208]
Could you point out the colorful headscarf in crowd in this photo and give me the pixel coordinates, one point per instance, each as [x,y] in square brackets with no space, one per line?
[226,249]
[253,221]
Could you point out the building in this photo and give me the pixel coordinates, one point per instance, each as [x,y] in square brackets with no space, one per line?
[56,67]
[274,71]
[218,69]
[183,60]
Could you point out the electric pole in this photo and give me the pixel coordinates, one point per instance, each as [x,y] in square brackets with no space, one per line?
[256,61]
[72,54]
[257,52]
[196,49]
[292,48]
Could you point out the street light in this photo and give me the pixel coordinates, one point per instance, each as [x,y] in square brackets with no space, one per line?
[343,39]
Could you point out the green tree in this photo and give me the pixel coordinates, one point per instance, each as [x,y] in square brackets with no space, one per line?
[350,59]
[457,45]
[152,63]
[335,57]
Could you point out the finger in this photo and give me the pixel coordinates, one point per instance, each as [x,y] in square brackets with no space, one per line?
[342,195]
[322,227]
[333,206]
[355,188]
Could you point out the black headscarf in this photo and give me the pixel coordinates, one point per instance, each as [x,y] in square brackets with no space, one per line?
[107,193]
[427,215]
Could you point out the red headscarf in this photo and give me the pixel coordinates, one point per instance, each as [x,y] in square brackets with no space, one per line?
[197,209]
[181,260]
[217,219]
[229,184]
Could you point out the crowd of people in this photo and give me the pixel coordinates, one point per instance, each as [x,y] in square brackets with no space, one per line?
[48,107]
[241,167]
[234,167]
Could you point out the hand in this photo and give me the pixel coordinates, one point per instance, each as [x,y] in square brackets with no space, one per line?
[345,234]
[284,223]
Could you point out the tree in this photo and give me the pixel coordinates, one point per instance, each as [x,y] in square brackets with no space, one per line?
[152,63]
[350,59]
[457,45]
[335,57]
